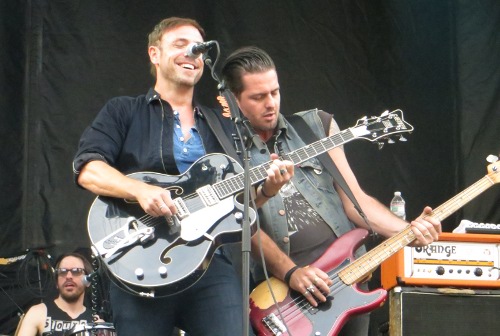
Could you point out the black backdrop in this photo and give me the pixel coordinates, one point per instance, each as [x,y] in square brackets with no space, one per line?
[438,61]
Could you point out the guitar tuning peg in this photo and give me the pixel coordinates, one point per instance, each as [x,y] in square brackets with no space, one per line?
[385,113]
[390,141]
[380,144]
[492,158]
[402,138]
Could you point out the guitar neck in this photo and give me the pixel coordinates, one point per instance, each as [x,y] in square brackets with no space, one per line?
[257,174]
[319,147]
[371,260]
[455,203]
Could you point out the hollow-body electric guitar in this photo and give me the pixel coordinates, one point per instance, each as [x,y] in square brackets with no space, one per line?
[296,316]
[152,257]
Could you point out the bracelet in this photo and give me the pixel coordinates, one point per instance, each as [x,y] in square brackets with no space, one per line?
[288,274]
[264,193]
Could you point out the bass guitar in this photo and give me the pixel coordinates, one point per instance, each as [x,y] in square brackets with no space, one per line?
[294,315]
[150,257]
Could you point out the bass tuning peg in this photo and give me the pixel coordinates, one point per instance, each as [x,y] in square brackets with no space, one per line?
[492,158]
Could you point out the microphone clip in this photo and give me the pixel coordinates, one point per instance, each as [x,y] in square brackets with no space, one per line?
[88,278]
[194,50]
[251,137]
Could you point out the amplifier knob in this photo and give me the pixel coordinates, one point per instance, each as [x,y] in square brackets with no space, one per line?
[440,270]
[478,272]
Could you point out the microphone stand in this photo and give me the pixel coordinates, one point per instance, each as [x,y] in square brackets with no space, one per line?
[246,232]
[247,139]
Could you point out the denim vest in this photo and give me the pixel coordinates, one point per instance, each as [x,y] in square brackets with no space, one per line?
[311,179]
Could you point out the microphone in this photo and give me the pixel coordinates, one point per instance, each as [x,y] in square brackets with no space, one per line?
[196,49]
[87,279]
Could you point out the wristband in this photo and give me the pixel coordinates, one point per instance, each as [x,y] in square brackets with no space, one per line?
[288,274]
[264,193]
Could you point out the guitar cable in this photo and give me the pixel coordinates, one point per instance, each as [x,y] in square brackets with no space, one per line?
[266,275]
[115,280]
[279,149]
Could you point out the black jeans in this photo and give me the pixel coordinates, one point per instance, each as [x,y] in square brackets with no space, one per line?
[211,307]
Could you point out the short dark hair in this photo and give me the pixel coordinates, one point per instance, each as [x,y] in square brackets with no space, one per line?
[167,24]
[86,264]
[244,60]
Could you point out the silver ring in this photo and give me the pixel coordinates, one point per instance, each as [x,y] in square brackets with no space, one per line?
[310,289]
[282,171]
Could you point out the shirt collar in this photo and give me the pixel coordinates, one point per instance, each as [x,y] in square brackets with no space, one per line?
[153,96]
[282,126]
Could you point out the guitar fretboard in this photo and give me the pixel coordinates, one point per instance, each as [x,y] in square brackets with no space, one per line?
[235,184]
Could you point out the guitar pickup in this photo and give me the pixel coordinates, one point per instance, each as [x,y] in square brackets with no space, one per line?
[208,195]
[182,209]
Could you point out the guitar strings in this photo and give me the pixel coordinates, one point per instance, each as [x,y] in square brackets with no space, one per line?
[292,310]
[149,220]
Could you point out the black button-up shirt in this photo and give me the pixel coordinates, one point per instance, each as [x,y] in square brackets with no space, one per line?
[135,134]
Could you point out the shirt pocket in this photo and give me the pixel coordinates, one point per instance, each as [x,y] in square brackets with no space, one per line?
[316,175]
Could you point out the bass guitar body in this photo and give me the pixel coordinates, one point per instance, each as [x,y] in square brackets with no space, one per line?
[296,316]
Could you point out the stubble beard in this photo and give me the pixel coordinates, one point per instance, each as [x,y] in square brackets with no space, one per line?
[174,76]
[71,297]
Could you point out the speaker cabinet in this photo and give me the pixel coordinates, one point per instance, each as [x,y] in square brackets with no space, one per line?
[443,311]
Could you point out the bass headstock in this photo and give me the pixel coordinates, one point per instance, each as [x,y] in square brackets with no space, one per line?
[493,168]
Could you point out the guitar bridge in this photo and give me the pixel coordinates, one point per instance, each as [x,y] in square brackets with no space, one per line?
[274,324]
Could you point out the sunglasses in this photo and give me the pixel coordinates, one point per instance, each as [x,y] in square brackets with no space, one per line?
[74,271]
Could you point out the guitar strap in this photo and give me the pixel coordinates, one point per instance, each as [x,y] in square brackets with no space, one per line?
[221,135]
[308,136]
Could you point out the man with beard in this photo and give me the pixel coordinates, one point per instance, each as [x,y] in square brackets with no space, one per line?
[310,212]
[67,311]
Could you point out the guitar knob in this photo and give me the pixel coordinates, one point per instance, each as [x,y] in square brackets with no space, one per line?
[402,138]
[163,271]
[139,273]
[238,216]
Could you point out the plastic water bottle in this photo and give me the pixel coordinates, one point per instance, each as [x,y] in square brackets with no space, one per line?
[398,205]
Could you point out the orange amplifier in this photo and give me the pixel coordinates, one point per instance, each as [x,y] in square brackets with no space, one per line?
[456,260]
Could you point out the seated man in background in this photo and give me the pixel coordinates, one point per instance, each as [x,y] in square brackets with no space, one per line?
[58,317]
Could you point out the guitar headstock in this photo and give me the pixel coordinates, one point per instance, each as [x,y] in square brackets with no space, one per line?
[382,127]
[493,168]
